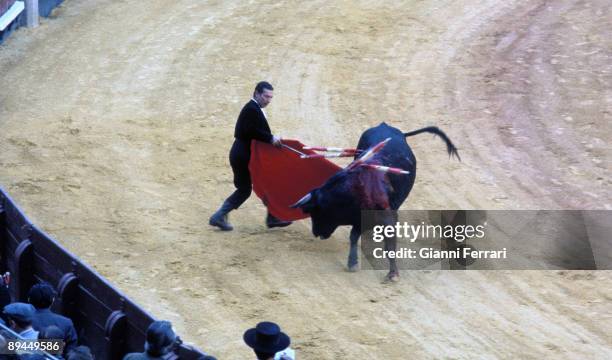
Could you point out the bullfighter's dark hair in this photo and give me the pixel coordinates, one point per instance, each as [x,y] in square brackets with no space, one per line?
[261,86]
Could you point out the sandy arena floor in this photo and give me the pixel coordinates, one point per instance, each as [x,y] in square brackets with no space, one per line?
[116,119]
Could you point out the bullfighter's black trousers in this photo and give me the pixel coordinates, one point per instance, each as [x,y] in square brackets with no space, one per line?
[240,155]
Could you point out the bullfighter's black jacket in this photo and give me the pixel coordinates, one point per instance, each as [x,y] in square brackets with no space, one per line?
[252,124]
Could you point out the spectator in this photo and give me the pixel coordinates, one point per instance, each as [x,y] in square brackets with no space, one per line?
[159,344]
[42,296]
[52,333]
[266,340]
[5,296]
[3,344]
[80,353]
[20,319]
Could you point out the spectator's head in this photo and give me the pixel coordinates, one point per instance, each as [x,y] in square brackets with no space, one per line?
[51,332]
[20,315]
[80,353]
[160,338]
[41,295]
[263,93]
[266,339]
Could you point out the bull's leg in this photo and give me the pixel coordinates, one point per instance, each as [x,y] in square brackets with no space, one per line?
[353,260]
[391,245]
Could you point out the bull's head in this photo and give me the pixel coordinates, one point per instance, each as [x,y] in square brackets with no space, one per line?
[325,212]
[339,201]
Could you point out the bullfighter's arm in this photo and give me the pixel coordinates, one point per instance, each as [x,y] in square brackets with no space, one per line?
[258,127]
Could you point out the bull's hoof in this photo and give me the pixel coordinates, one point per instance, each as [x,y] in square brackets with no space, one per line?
[392,277]
[353,268]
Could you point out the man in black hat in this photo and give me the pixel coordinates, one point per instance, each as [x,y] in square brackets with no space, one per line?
[266,339]
[251,125]
[20,319]
[42,296]
[159,344]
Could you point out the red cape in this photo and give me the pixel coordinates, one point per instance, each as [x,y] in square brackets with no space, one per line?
[281,178]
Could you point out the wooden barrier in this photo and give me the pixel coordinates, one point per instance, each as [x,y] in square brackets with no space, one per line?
[11,13]
[106,320]
[5,5]
[45,7]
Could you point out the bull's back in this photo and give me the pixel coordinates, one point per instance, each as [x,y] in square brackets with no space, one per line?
[396,153]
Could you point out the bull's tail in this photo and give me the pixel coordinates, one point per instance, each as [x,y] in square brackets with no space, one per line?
[450,147]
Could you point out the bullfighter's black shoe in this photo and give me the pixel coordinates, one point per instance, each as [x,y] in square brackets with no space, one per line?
[272,222]
[219,219]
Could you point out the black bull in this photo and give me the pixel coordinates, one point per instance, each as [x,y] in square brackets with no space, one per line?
[341,198]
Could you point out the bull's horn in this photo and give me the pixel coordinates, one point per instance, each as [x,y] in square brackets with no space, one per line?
[302,201]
